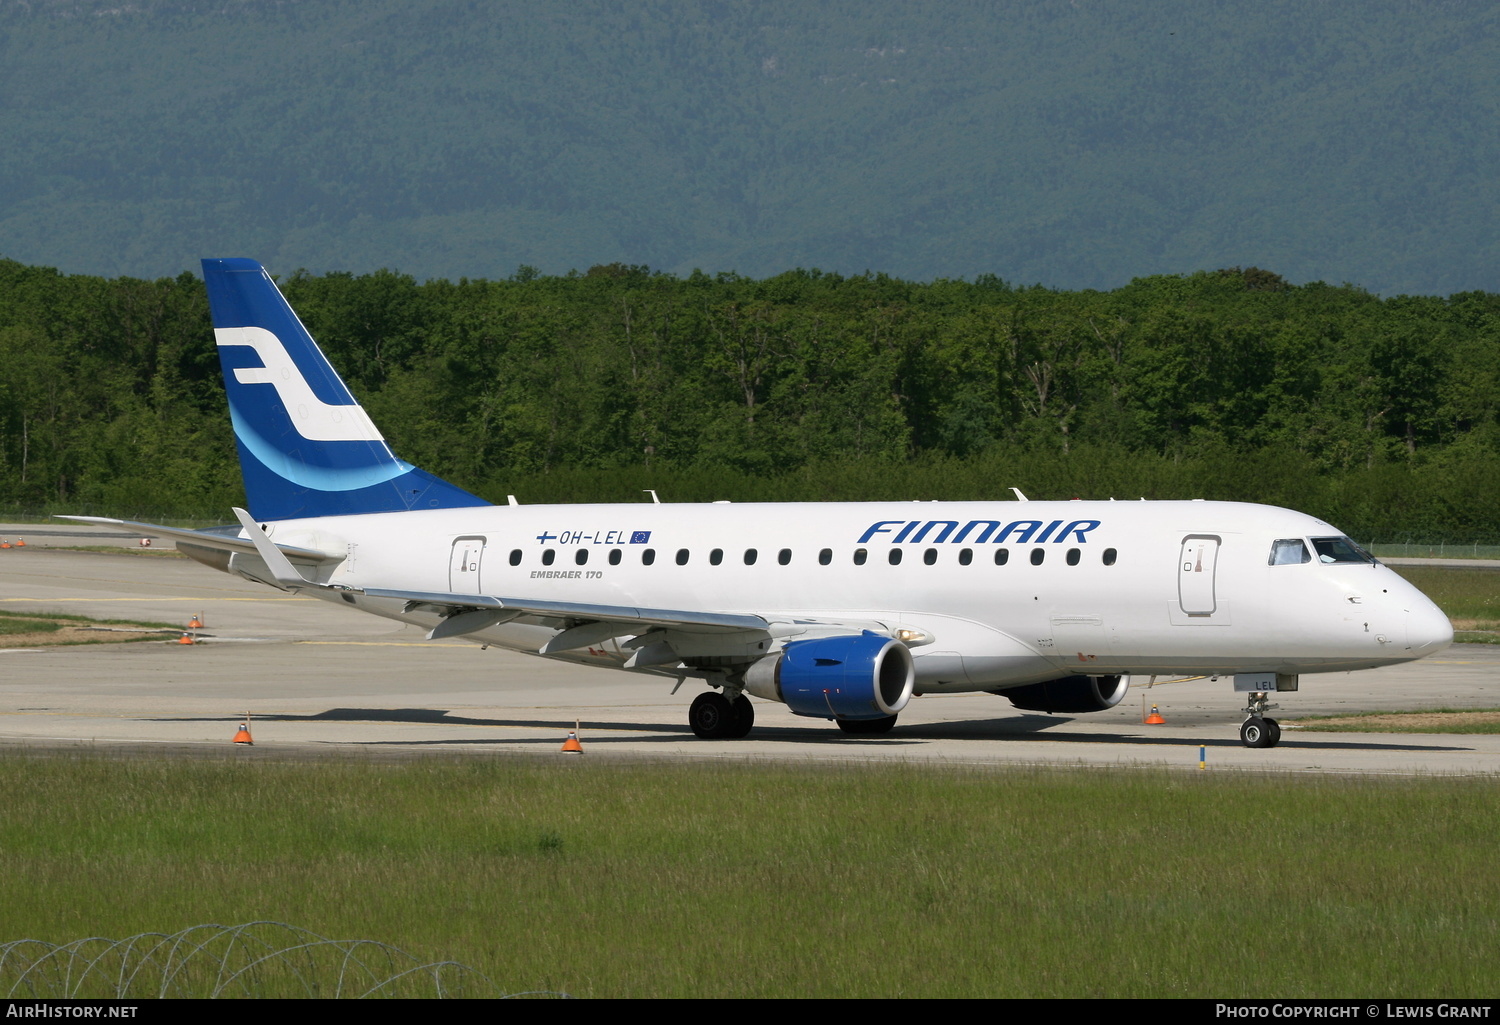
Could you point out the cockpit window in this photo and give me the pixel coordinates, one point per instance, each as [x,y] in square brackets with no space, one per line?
[1288,552]
[1340,549]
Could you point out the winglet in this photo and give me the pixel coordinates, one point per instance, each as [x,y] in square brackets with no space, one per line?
[280,566]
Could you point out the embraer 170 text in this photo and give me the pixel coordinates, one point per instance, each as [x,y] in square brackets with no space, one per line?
[838,611]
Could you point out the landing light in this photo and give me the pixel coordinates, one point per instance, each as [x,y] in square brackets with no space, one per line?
[913,638]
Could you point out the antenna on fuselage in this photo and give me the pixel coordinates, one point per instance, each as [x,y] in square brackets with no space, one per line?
[654,499]
[1020,497]
[511,500]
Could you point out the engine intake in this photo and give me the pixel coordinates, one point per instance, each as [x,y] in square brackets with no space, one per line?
[859,676]
[1069,694]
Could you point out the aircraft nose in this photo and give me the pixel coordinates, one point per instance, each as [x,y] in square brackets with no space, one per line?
[1427,629]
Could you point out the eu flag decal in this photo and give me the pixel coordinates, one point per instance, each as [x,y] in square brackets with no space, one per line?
[640,537]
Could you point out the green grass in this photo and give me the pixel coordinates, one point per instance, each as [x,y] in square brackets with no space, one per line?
[18,625]
[71,619]
[733,880]
[1464,720]
[1469,597]
[1461,593]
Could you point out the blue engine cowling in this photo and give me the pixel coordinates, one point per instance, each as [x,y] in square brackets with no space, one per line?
[1069,694]
[859,676]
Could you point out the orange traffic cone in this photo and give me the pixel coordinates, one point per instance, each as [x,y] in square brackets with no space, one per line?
[20,542]
[196,623]
[185,638]
[4,544]
[571,744]
[1155,719]
[243,736]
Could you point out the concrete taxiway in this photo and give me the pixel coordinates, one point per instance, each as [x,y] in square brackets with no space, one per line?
[320,678]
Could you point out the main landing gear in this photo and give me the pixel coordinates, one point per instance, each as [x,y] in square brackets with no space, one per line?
[716,716]
[713,716]
[1257,730]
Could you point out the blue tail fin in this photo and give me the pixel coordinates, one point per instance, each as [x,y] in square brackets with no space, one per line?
[307,448]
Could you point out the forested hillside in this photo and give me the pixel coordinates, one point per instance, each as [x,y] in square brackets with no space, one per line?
[1382,415]
[1072,143]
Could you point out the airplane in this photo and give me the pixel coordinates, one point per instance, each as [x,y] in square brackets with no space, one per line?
[840,611]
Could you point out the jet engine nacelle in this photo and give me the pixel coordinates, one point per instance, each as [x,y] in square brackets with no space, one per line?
[1069,694]
[859,676]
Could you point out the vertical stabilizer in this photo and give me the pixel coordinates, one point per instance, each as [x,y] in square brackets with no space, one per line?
[307,448]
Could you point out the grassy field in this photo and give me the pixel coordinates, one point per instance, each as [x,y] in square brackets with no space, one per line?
[624,879]
[27,625]
[1435,720]
[29,629]
[1470,597]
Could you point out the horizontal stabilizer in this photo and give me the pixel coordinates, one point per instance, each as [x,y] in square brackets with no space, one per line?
[275,559]
[202,538]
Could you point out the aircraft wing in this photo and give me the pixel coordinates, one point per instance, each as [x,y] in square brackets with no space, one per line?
[578,610]
[202,538]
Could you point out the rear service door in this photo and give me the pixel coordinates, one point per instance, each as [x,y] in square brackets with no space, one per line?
[463,568]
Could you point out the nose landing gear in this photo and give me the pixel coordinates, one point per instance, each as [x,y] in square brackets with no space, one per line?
[1257,730]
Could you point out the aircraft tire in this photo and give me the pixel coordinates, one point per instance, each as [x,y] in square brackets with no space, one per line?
[1273,733]
[1254,732]
[744,718]
[867,727]
[712,716]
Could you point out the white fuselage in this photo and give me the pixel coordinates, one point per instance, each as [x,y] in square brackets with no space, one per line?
[1095,588]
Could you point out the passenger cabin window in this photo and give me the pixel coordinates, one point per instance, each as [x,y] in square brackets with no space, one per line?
[1340,549]
[860,555]
[582,557]
[1288,552]
[682,556]
[515,556]
[930,556]
[1109,556]
[1073,556]
[965,556]
[784,556]
[1037,555]
[716,556]
[1002,556]
[825,556]
[750,556]
[614,556]
[548,556]
[648,556]
[895,556]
